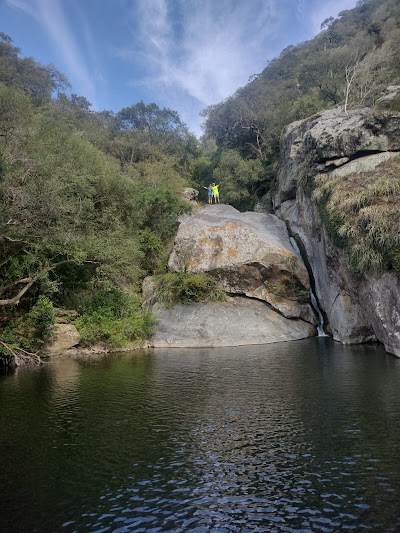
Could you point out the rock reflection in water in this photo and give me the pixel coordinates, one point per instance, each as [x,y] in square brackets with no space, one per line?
[283,437]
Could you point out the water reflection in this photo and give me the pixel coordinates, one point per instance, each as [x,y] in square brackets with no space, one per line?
[297,436]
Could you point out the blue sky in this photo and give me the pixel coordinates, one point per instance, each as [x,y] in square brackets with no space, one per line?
[181,54]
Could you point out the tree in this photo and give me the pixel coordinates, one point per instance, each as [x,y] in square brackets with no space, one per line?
[149,118]
[240,179]
[63,202]
[26,74]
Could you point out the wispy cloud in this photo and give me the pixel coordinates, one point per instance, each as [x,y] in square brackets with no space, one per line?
[50,15]
[203,49]
[198,53]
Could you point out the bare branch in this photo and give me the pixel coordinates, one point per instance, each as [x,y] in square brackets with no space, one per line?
[31,281]
[20,353]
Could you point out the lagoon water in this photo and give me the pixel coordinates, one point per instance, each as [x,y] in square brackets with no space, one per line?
[296,436]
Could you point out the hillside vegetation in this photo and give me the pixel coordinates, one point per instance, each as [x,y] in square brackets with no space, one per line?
[89,204]
[351,61]
[90,200]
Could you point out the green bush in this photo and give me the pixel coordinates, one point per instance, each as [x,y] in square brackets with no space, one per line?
[155,257]
[187,288]
[42,317]
[113,318]
[26,332]
[159,209]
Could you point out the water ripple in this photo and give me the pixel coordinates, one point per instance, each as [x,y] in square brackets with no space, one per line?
[286,437]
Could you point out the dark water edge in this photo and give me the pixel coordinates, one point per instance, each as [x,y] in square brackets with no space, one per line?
[299,436]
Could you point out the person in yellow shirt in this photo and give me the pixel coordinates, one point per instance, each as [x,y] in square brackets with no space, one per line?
[215,192]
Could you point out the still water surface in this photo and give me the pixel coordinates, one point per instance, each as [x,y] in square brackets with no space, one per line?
[299,436]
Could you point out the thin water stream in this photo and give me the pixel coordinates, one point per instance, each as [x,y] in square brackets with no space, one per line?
[299,436]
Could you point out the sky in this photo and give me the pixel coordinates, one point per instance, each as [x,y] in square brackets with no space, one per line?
[180,54]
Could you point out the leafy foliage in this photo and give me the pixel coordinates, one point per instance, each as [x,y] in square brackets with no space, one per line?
[240,178]
[42,317]
[113,318]
[29,331]
[89,202]
[26,74]
[349,62]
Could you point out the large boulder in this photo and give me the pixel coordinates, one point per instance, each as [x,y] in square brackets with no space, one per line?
[64,337]
[236,322]
[249,253]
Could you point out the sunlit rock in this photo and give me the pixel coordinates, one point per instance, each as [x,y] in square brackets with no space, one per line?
[236,322]
[249,253]
[65,336]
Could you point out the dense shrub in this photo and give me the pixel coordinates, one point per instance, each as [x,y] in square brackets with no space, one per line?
[42,317]
[24,333]
[187,288]
[113,318]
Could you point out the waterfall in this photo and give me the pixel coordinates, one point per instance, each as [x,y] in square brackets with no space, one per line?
[320,327]
[295,246]
[314,301]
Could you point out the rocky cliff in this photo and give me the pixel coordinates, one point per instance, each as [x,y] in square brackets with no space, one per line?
[266,276]
[336,145]
[251,256]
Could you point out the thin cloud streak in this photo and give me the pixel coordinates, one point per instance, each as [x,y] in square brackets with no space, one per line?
[50,14]
[206,53]
[198,53]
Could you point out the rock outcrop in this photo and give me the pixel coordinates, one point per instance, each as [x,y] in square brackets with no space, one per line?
[65,336]
[251,255]
[237,322]
[330,140]
[339,144]
[190,195]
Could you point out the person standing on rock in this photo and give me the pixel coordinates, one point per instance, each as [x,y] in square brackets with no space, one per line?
[215,192]
[209,192]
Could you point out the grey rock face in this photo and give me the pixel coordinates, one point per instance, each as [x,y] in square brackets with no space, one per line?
[336,291]
[390,94]
[340,144]
[380,297]
[331,139]
[249,253]
[190,195]
[237,322]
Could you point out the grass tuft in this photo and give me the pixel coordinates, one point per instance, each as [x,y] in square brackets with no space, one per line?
[187,288]
[362,214]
